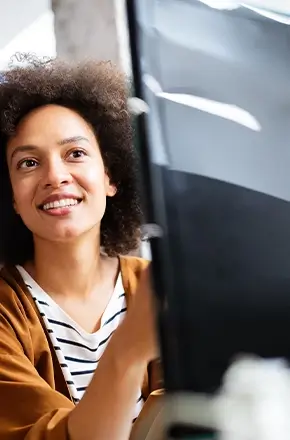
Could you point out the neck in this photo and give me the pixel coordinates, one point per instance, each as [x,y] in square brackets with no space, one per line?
[67,268]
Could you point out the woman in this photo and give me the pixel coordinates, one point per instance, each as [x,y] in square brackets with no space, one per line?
[69,210]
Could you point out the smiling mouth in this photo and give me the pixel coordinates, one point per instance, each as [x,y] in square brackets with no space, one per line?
[63,203]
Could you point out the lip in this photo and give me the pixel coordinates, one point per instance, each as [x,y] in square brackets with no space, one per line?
[58,196]
[61,212]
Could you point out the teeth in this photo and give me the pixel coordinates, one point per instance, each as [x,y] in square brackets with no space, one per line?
[60,204]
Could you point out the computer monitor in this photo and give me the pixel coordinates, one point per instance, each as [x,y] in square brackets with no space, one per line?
[215,153]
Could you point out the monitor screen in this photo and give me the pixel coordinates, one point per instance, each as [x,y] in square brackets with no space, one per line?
[216,160]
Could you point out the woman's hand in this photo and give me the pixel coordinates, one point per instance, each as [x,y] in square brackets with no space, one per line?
[139,327]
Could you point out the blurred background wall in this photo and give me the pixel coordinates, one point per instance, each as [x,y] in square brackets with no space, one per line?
[72,29]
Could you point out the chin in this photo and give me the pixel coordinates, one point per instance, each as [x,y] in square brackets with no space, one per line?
[69,234]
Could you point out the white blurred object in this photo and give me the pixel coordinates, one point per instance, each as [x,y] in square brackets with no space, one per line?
[253,404]
[146,250]
[276,16]
[137,106]
[220,109]
[280,6]
[255,401]
[217,4]
[274,6]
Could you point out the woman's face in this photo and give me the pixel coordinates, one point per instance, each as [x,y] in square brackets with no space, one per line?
[57,174]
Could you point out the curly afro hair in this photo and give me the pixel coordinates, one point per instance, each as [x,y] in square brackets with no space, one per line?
[99,93]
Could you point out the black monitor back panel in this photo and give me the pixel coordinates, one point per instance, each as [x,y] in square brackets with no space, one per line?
[216,158]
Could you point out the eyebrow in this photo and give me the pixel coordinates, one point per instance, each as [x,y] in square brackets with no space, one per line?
[32,149]
[73,140]
[23,149]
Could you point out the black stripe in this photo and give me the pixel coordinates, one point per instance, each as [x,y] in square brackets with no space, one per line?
[79,373]
[134,420]
[75,400]
[30,287]
[81,361]
[140,398]
[42,314]
[56,348]
[63,324]
[70,382]
[82,388]
[64,365]
[49,330]
[105,340]
[77,344]
[42,302]
[122,294]
[116,314]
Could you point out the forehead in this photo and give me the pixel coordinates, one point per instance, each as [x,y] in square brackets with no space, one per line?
[50,124]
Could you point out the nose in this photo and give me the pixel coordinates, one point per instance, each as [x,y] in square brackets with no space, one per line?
[56,174]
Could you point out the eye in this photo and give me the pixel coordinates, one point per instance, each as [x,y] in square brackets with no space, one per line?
[27,163]
[77,154]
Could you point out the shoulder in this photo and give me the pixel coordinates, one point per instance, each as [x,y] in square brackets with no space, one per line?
[135,264]
[16,304]
[14,325]
[9,286]
[131,270]
[20,323]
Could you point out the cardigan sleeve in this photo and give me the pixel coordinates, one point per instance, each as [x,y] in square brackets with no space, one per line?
[30,408]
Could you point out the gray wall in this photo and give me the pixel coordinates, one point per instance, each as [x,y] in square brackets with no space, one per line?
[85,29]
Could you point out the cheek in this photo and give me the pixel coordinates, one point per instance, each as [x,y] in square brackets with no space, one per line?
[94,181]
[22,197]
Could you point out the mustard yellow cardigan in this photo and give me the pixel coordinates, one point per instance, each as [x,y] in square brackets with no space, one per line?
[35,401]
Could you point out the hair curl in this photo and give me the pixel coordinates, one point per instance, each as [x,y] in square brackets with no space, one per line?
[98,92]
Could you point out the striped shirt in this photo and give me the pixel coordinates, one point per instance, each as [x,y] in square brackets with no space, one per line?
[78,351]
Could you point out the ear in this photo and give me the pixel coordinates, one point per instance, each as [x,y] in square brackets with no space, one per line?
[111,189]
